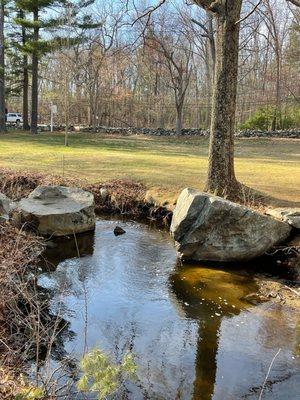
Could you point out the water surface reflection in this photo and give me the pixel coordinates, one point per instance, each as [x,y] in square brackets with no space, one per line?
[194,334]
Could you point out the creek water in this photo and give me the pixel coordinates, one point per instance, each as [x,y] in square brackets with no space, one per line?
[194,331]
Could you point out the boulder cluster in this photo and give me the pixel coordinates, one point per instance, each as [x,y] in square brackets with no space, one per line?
[205,227]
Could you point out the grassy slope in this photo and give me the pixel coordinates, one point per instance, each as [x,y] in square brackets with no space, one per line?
[165,164]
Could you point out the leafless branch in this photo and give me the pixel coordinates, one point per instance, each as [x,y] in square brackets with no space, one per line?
[250,13]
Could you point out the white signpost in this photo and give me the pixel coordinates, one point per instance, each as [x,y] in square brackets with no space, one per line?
[53,112]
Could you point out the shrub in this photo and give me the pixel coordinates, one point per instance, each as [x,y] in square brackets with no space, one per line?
[102,376]
[30,393]
[263,118]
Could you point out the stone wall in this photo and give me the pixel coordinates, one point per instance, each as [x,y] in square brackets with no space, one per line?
[290,133]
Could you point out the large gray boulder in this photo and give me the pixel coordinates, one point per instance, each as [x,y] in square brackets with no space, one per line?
[210,228]
[57,210]
[289,215]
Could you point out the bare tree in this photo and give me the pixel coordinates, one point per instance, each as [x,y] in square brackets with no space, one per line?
[276,38]
[102,44]
[221,175]
[204,42]
[127,83]
[175,51]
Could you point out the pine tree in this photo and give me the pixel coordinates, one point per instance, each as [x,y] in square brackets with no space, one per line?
[17,69]
[36,47]
[25,37]
[2,68]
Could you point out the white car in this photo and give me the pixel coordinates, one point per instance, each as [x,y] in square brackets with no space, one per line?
[14,118]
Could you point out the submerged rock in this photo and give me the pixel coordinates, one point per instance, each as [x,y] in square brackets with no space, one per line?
[210,228]
[288,215]
[57,210]
[119,231]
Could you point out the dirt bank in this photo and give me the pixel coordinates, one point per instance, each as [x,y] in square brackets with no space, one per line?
[280,292]
[19,253]
[117,197]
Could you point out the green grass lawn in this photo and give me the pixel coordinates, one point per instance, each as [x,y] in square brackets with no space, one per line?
[164,164]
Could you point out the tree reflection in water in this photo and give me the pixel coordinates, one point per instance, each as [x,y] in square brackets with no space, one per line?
[208,296]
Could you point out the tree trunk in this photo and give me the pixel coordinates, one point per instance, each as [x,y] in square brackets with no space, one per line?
[210,65]
[277,114]
[67,108]
[209,86]
[211,41]
[179,118]
[2,70]
[26,126]
[35,65]
[221,176]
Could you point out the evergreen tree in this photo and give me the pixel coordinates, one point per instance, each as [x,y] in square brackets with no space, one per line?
[2,68]
[25,74]
[18,66]
[35,46]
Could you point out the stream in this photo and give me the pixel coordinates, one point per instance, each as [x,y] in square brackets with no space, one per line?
[195,331]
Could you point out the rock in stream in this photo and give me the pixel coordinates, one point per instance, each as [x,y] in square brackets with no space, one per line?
[210,228]
[57,211]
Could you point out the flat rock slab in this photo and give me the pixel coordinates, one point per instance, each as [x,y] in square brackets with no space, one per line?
[210,228]
[57,210]
[288,215]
